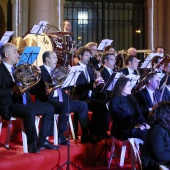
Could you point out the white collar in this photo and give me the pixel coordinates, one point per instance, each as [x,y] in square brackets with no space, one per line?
[8,66]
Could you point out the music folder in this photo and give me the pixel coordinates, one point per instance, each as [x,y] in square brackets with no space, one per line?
[29,55]
[104,43]
[133,78]
[72,76]
[147,62]
[111,82]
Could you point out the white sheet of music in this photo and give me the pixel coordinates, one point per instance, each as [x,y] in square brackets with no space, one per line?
[72,76]
[133,78]
[147,62]
[117,76]
[5,38]
[39,28]
[104,43]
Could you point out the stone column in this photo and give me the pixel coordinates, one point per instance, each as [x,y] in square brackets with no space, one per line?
[166,24]
[43,10]
[151,24]
[17,17]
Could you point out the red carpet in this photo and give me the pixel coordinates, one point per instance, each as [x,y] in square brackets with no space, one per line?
[82,155]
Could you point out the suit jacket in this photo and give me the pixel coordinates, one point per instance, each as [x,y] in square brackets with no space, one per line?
[156,148]
[125,114]
[126,72]
[145,101]
[93,63]
[6,97]
[40,89]
[166,95]
[105,74]
[80,92]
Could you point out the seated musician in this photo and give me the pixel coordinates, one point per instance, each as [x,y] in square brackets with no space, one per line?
[131,63]
[109,49]
[156,147]
[159,49]
[95,61]
[60,100]
[131,51]
[148,96]
[26,110]
[87,86]
[127,119]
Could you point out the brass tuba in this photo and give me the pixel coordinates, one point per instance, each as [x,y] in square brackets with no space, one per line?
[26,76]
[58,76]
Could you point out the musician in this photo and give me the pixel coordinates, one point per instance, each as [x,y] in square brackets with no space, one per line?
[87,86]
[108,60]
[159,49]
[131,51]
[128,121]
[131,63]
[95,62]
[27,110]
[61,106]
[109,49]
[148,96]
[156,147]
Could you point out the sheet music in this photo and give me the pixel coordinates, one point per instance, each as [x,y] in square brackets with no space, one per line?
[39,28]
[117,76]
[160,75]
[134,79]
[5,38]
[104,43]
[147,62]
[72,76]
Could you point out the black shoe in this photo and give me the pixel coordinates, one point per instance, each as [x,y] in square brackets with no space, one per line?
[48,145]
[32,148]
[77,138]
[88,138]
[62,141]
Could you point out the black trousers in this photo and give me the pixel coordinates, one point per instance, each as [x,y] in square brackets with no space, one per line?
[28,113]
[63,108]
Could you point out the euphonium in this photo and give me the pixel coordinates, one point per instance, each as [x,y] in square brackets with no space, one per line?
[58,76]
[26,76]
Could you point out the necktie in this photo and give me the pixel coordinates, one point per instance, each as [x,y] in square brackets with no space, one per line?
[86,74]
[60,96]
[154,99]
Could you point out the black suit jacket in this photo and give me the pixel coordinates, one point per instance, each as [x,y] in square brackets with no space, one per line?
[40,89]
[80,92]
[126,72]
[93,63]
[6,97]
[105,74]
[166,95]
[145,101]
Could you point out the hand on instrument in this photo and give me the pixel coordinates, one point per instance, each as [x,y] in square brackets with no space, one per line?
[99,81]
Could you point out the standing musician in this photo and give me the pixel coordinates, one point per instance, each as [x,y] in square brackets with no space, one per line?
[131,63]
[27,110]
[95,61]
[87,86]
[60,101]
[148,96]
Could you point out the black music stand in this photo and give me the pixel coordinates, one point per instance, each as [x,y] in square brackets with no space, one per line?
[70,81]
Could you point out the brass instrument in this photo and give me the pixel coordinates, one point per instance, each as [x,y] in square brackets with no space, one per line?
[26,76]
[58,76]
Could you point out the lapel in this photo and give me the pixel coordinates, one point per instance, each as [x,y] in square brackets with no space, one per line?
[148,98]
[6,72]
[45,75]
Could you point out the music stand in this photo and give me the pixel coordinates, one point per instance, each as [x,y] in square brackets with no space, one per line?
[104,43]
[108,87]
[69,82]
[29,55]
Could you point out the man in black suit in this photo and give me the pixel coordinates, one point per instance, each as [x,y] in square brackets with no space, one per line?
[61,102]
[131,63]
[94,61]
[87,89]
[26,111]
[148,96]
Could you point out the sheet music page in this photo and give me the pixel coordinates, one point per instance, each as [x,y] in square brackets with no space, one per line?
[5,38]
[146,63]
[104,43]
[134,79]
[36,29]
[117,76]
[72,76]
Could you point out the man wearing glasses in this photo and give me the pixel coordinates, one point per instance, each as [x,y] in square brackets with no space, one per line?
[94,62]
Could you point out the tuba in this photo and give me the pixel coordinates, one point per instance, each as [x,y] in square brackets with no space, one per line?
[26,76]
[58,76]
